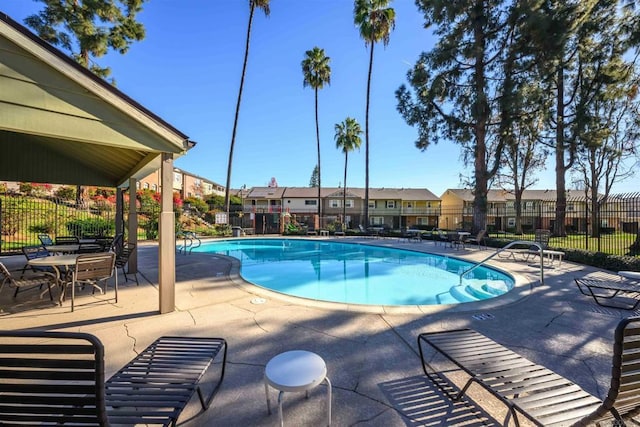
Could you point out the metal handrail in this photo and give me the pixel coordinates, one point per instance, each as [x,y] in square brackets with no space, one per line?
[189,236]
[517,242]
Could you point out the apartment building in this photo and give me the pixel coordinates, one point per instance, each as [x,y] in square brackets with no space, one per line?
[538,210]
[392,208]
[185,183]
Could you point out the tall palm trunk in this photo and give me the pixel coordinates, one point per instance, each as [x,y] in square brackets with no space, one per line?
[344,194]
[235,121]
[366,139]
[319,170]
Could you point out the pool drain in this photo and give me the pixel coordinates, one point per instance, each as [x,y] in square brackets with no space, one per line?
[483,316]
[258,301]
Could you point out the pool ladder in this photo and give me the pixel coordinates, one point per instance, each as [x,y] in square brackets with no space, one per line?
[191,241]
[517,242]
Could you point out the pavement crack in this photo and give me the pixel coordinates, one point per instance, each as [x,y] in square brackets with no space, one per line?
[369,420]
[135,341]
[399,335]
[258,323]
[553,319]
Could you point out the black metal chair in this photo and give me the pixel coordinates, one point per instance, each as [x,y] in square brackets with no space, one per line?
[29,281]
[122,259]
[45,239]
[608,293]
[32,252]
[539,394]
[58,378]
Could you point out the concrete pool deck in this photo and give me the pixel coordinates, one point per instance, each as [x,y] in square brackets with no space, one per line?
[371,354]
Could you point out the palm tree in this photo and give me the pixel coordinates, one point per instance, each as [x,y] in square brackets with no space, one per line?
[375,20]
[317,72]
[348,139]
[264,5]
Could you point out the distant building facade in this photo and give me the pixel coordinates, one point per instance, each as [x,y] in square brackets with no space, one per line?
[185,183]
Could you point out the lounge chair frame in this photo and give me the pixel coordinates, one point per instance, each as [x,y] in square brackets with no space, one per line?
[537,393]
[609,291]
[56,378]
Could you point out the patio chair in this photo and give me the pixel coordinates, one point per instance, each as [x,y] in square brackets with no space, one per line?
[122,259]
[32,252]
[364,231]
[609,293]
[541,237]
[116,243]
[541,395]
[93,270]
[27,282]
[439,236]
[479,239]
[454,239]
[45,239]
[58,378]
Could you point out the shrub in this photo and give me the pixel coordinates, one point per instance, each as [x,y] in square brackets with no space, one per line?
[198,204]
[603,260]
[90,226]
[45,227]
[66,193]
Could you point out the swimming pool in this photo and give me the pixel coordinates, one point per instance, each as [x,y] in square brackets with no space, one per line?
[355,273]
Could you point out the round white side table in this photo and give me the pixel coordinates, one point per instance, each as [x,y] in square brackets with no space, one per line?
[296,370]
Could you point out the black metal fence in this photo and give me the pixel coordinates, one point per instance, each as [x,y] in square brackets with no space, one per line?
[22,218]
[612,229]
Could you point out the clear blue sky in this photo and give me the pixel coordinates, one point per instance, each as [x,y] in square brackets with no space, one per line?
[187,70]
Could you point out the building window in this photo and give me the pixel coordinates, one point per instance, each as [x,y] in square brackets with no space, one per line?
[138,185]
[146,185]
[177,177]
[349,203]
[377,220]
[335,203]
[154,187]
[391,204]
[372,204]
[310,202]
[422,220]
[409,205]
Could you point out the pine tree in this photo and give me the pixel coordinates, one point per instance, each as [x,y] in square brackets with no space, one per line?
[456,85]
[88,29]
[314,182]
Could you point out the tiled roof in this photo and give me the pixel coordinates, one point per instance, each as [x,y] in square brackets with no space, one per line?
[266,193]
[503,195]
[374,193]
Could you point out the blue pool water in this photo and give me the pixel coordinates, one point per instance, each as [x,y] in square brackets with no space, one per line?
[359,274]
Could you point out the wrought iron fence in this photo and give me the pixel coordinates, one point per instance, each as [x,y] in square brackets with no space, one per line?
[613,229]
[22,218]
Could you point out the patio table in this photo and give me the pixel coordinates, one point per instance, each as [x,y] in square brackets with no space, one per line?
[56,261]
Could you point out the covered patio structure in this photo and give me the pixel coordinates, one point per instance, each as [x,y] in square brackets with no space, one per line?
[61,124]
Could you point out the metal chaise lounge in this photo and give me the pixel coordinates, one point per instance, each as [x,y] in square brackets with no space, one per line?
[609,293]
[57,378]
[537,393]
